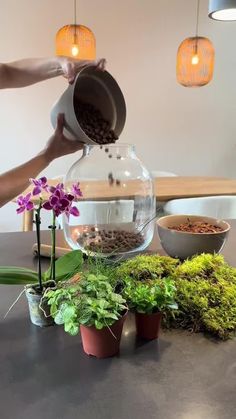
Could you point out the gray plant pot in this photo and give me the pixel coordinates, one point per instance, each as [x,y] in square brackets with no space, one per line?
[37,316]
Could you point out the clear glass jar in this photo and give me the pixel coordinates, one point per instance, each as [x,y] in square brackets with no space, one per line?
[118,201]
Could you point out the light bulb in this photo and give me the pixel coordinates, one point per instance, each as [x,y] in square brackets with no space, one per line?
[195,59]
[75,50]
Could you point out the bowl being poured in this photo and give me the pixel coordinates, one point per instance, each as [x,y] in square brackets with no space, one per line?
[94,108]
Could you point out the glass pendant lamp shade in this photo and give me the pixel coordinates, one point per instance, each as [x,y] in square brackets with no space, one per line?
[222,10]
[76,41]
[195,62]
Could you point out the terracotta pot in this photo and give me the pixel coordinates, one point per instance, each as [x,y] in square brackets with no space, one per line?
[102,343]
[148,325]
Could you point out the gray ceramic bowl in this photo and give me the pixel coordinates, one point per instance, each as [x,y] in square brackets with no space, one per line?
[184,244]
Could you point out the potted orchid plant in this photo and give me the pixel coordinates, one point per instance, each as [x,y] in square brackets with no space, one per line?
[59,201]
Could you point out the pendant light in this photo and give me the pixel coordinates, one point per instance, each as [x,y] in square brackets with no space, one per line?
[76,41]
[222,10]
[195,59]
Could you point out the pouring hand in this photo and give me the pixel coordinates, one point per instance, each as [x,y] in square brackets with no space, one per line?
[58,145]
[70,67]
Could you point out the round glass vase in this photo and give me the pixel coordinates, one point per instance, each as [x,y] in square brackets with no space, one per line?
[117,204]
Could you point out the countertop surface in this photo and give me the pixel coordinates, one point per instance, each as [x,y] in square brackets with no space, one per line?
[44,373]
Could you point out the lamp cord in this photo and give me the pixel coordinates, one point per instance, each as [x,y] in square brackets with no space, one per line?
[198,7]
[75,12]
[197,21]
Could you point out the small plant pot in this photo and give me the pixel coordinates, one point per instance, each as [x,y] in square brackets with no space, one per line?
[148,325]
[102,343]
[37,307]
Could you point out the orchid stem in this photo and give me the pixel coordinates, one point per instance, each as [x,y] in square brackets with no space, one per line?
[53,244]
[38,222]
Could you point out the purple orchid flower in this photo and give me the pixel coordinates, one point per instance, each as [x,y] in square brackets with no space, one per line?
[58,187]
[39,185]
[61,202]
[76,191]
[74,211]
[24,203]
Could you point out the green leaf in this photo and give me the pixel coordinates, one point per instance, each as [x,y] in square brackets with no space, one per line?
[67,265]
[111,316]
[71,328]
[53,310]
[68,313]
[85,319]
[58,318]
[99,325]
[10,275]
[18,268]
[173,306]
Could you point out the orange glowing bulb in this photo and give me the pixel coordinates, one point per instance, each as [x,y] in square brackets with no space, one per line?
[195,59]
[75,50]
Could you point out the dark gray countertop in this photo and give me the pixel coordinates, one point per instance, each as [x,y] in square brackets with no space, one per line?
[44,373]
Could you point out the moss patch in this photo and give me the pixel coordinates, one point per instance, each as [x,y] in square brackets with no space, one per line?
[205,290]
[144,267]
[206,295]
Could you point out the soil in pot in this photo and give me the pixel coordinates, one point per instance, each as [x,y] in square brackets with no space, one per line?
[102,343]
[93,123]
[148,325]
[34,296]
[103,241]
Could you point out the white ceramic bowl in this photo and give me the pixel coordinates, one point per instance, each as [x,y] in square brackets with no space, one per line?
[99,89]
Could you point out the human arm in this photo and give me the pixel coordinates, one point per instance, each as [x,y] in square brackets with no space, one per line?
[29,71]
[15,181]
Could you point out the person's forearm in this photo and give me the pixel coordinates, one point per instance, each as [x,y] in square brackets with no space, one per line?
[28,71]
[15,181]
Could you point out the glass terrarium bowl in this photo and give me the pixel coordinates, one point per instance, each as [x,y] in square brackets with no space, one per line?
[117,204]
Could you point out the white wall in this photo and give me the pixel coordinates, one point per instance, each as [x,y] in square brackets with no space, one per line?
[188,131]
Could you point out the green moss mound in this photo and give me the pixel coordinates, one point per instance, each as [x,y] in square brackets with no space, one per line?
[205,290]
[145,267]
[206,296]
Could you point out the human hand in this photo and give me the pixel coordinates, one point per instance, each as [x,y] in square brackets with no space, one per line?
[58,145]
[69,67]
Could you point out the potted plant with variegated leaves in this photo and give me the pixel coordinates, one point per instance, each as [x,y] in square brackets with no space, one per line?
[89,304]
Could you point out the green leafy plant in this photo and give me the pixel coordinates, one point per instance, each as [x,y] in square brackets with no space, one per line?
[101,266]
[91,301]
[151,296]
[206,296]
[147,284]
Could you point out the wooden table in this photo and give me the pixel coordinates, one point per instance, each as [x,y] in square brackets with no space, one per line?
[166,188]
[45,373]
